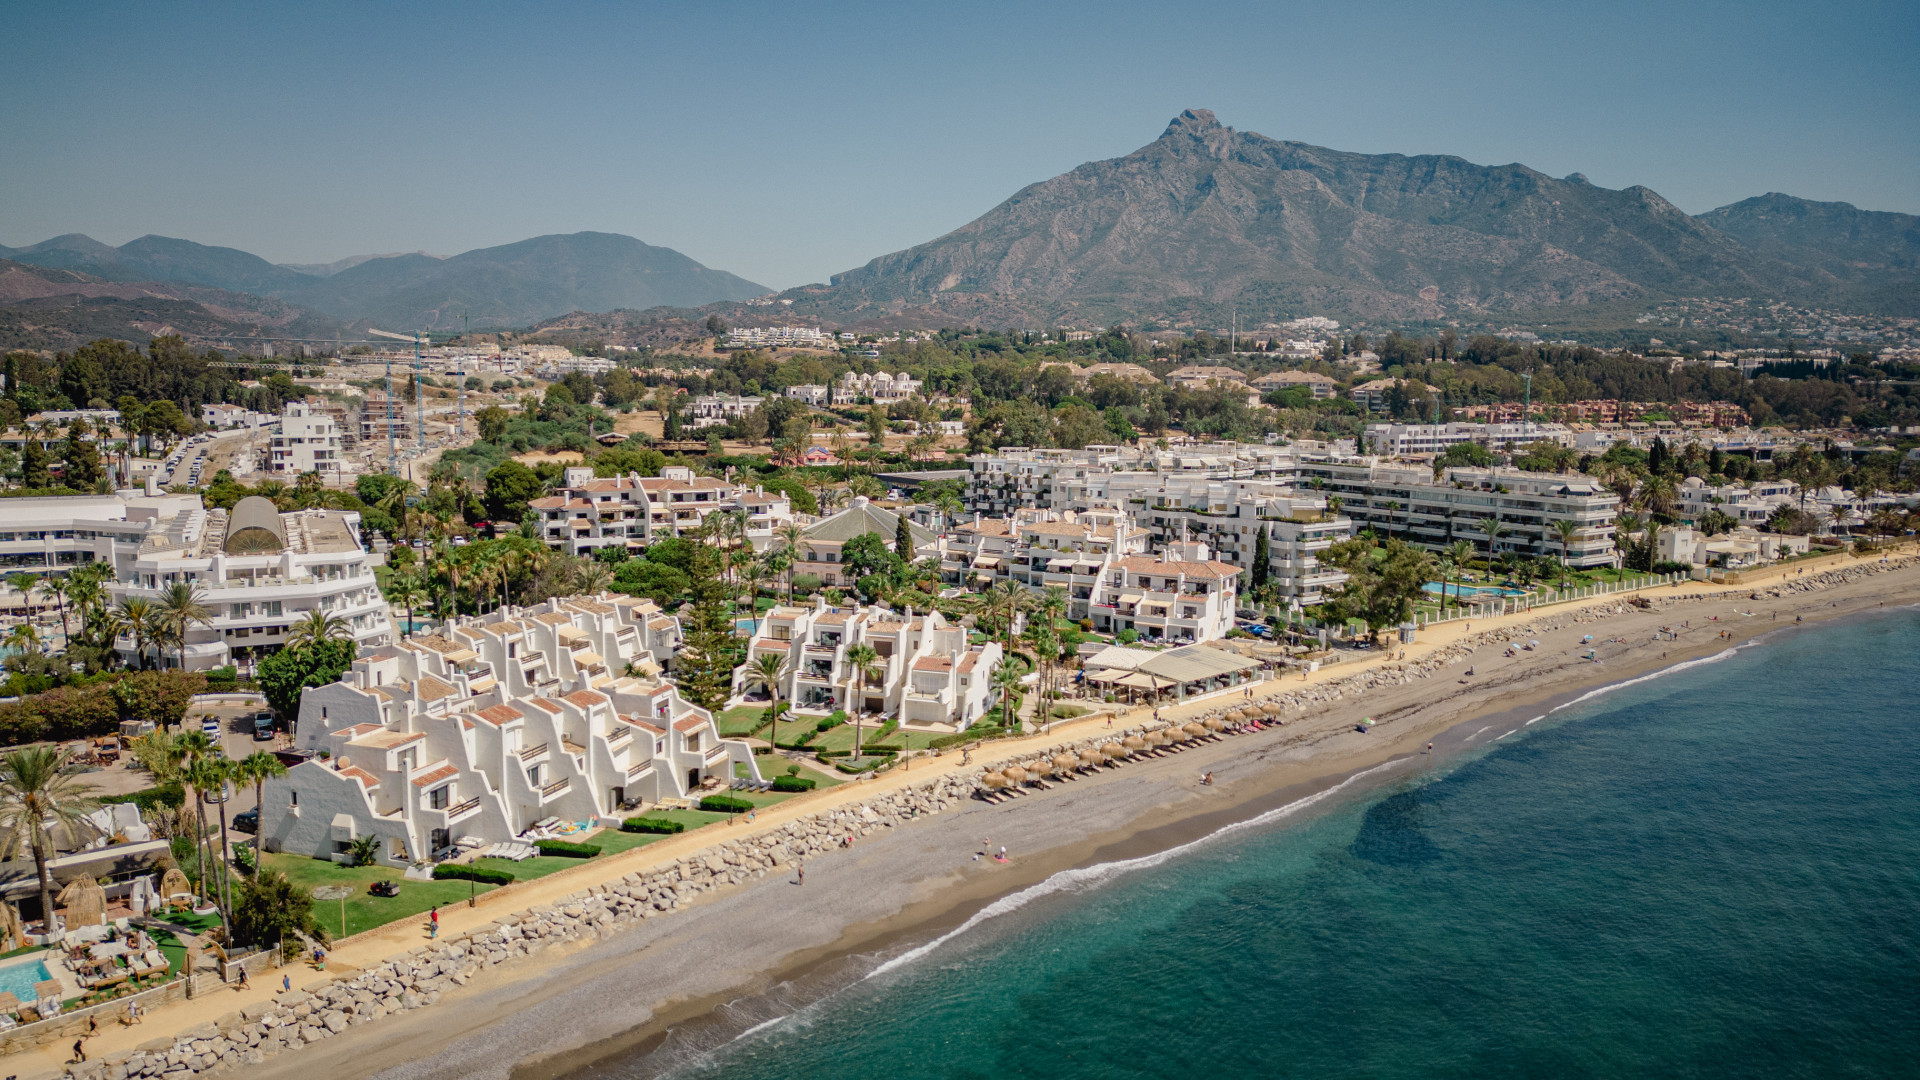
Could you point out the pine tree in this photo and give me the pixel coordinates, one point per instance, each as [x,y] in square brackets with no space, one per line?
[903,539]
[1260,556]
[704,667]
[33,465]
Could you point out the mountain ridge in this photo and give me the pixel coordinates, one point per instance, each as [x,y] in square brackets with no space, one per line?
[508,285]
[1205,220]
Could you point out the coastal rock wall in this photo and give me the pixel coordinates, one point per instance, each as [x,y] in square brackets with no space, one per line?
[417,979]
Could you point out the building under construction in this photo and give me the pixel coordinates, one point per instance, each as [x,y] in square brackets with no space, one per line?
[374,418]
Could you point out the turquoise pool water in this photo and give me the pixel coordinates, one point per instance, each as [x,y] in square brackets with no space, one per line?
[1470,592]
[19,978]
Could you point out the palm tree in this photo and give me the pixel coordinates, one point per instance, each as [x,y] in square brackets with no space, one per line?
[1390,506]
[592,577]
[1014,596]
[790,535]
[58,588]
[752,569]
[1444,563]
[406,589]
[1837,517]
[316,627]
[188,749]
[141,619]
[25,584]
[182,607]
[24,638]
[257,768]
[1492,528]
[40,788]
[861,659]
[1460,553]
[1005,678]
[207,774]
[1567,530]
[765,672]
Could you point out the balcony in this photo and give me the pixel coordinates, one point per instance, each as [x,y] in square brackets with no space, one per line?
[462,810]
[556,789]
[619,737]
[639,771]
[533,753]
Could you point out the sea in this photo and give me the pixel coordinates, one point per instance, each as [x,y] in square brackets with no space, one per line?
[1713,872]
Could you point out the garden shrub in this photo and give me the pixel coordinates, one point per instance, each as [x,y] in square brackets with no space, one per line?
[463,872]
[792,783]
[566,849]
[725,804]
[652,825]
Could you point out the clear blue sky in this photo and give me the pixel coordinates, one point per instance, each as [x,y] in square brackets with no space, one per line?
[789,141]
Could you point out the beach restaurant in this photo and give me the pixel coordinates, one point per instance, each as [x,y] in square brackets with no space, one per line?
[1181,673]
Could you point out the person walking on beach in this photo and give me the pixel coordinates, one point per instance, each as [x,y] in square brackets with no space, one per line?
[800,873]
[433,923]
[79,1051]
[286,983]
[1429,748]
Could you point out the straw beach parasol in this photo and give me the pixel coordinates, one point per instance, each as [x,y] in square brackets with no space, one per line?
[85,901]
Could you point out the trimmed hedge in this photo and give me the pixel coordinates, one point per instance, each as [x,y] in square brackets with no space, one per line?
[792,783]
[725,804]
[652,825]
[566,849]
[223,680]
[978,731]
[463,872]
[169,796]
[868,750]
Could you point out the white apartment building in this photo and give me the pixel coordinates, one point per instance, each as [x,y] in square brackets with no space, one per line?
[636,510]
[1749,504]
[1407,440]
[259,571]
[1406,502]
[1741,549]
[221,416]
[308,442]
[1231,515]
[823,541]
[1042,548]
[1320,386]
[779,337]
[1017,476]
[1181,596]
[926,672]
[712,410]
[811,394]
[50,536]
[480,735]
[883,388]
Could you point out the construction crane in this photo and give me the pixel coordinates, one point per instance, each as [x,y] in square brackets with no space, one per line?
[420,417]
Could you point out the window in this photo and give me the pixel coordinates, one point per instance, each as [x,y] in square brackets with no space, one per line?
[293,799]
[533,776]
[437,798]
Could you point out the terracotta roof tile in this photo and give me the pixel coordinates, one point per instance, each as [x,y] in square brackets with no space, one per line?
[500,714]
[586,699]
[691,723]
[432,689]
[545,705]
[444,772]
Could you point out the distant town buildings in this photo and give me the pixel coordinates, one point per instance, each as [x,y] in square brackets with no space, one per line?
[780,337]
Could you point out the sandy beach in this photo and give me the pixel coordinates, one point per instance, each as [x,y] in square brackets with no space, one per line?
[747,954]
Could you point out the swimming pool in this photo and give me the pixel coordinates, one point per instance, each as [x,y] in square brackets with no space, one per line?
[745,627]
[18,977]
[1470,592]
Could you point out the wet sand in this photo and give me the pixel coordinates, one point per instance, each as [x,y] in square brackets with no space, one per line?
[745,955]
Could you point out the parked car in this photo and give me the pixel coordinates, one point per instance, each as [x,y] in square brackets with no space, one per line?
[212,728]
[247,821]
[262,726]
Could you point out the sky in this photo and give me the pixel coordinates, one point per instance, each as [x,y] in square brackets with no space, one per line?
[786,142]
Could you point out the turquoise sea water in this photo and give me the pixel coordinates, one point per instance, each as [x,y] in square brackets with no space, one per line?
[1711,874]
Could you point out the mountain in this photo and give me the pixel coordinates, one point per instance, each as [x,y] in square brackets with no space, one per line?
[518,284]
[1207,220]
[161,258]
[45,307]
[337,265]
[1838,237]
[508,286]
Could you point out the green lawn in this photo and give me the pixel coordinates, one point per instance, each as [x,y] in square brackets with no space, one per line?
[364,910]
[741,720]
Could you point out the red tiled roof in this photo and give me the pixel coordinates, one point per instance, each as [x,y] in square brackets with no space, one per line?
[500,714]
[444,772]
[691,723]
[544,704]
[586,699]
[933,663]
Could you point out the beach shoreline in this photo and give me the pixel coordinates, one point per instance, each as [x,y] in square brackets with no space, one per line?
[612,997]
